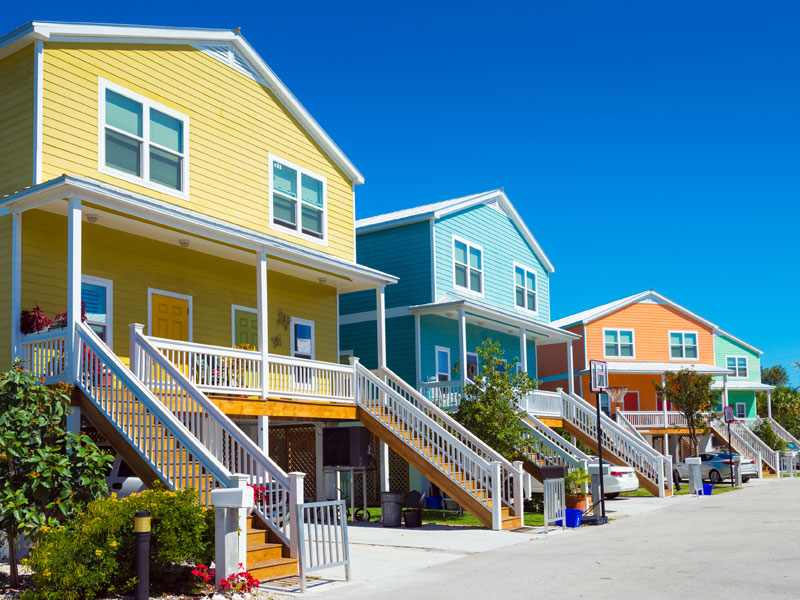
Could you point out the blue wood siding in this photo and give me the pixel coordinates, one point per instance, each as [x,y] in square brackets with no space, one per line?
[362,339]
[403,251]
[442,331]
[503,244]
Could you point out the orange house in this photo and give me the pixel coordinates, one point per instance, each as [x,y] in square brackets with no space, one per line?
[641,337]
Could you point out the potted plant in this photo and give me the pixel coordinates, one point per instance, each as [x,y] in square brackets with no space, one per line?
[61,318]
[575,482]
[33,320]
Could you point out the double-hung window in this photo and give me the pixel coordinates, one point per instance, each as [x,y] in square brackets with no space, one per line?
[524,288]
[298,199]
[737,364]
[468,266]
[618,343]
[683,344]
[142,141]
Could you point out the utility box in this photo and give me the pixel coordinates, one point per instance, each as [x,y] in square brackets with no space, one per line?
[554,472]
[345,447]
[695,475]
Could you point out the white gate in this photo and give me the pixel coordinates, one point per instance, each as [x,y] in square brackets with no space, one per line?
[554,503]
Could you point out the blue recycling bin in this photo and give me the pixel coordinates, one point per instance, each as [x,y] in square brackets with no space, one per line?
[573,517]
[707,489]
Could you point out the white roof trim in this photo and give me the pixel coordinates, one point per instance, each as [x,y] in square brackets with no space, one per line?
[723,333]
[82,32]
[138,205]
[438,210]
[747,386]
[593,314]
[654,368]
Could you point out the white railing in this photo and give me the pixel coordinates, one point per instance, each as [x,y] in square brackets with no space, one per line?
[555,498]
[45,354]
[511,475]
[476,476]
[175,455]
[444,394]
[647,462]
[646,419]
[740,445]
[782,433]
[215,430]
[772,458]
[544,447]
[542,404]
[232,371]
[322,530]
[623,422]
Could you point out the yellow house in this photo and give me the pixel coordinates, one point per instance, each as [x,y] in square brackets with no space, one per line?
[192,225]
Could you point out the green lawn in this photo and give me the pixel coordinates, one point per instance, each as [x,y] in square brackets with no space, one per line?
[450,518]
[718,489]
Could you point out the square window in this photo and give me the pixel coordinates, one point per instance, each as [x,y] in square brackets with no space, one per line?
[304,213]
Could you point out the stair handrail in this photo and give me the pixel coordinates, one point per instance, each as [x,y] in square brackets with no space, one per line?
[112,363]
[741,445]
[556,439]
[485,468]
[771,457]
[433,411]
[623,421]
[782,432]
[647,461]
[537,430]
[264,504]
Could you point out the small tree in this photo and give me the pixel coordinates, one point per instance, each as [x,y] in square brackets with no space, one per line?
[691,394]
[776,375]
[786,404]
[489,408]
[46,473]
[769,437]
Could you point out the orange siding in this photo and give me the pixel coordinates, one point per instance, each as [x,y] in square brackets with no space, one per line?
[651,324]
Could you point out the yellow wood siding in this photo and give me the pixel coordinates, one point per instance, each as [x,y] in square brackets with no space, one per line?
[134,263]
[16,120]
[234,122]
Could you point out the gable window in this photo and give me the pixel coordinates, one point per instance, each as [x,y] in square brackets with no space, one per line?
[737,364]
[302,338]
[442,364]
[298,199]
[618,343]
[683,344]
[524,288]
[97,297]
[468,266]
[142,141]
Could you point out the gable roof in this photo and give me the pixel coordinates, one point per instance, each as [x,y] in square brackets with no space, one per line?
[437,210]
[592,314]
[242,58]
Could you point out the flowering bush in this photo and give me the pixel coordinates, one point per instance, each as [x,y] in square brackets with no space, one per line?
[33,320]
[259,492]
[93,554]
[243,581]
[204,576]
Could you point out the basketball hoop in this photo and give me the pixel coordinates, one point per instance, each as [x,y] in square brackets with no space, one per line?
[616,394]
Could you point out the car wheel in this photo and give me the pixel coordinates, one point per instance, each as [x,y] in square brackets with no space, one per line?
[745,479]
[612,495]
[676,477]
[715,477]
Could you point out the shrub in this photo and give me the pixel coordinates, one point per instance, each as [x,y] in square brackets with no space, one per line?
[93,553]
[767,434]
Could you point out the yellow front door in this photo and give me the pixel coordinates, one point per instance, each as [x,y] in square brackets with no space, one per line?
[170,317]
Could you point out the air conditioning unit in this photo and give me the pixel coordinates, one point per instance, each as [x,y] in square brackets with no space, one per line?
[345,447]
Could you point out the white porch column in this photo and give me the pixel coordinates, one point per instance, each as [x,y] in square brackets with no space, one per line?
[462,345]
[74,282]
[663,400]
[523,348]
[570,369]
[724,392]
[384,466]
[769,403]
[418,349]
[16,284]
[263,323]
[263,433]
[380,294]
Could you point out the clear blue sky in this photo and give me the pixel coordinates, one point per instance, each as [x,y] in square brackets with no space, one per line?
[660,137]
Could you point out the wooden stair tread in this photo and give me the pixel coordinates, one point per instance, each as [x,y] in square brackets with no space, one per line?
[263,545]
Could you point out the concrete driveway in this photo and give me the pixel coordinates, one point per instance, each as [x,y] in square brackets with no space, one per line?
[744,544]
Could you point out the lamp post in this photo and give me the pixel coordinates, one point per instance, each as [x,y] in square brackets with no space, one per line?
[141,528]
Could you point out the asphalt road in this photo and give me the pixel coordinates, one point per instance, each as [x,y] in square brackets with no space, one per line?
[744,544]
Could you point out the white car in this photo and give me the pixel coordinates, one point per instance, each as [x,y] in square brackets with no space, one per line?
[618,480]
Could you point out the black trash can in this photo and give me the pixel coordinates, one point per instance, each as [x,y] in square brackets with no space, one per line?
[413,517]
[392,508]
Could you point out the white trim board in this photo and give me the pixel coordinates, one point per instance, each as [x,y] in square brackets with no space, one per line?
[298,321]
[151,291]
[683,333]
[234,308]
[109,285]
[619,342]
[298,230]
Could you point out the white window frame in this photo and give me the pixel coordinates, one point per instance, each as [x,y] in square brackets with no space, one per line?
[147,104]
[744,410]
[683,344]
[468,290]
[619,343]
[348,353]
[109,285]
[533,272]
[436,363]
[298,321]
[736,368]
[234,308]
[638,400]
[151,291]
[298,232]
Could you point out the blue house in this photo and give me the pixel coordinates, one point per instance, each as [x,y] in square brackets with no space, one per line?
[469,270]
